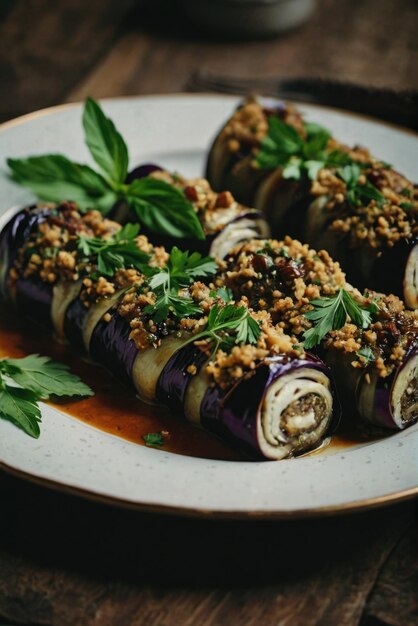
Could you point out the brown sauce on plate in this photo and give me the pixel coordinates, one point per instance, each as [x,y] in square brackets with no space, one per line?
[114,408]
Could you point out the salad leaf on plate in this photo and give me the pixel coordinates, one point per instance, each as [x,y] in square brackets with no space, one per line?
[25,381]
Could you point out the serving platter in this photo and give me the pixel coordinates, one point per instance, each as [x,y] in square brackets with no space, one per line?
[175,131]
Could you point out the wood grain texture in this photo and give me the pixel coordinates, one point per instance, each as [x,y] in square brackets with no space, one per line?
[65,562]
[371,42]
[47,47]
[394,599]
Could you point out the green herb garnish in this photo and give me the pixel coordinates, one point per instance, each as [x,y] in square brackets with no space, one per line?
[155,440]
[356,193]
[119,251]
[227,326]
[224,293]
[284,147]
[37,378]
[181,270]
[331,313]
[366,353]
[105,143]
[54,178]
[161,207]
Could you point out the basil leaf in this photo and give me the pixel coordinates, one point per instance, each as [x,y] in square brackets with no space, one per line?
[163,209]
[105,143]
[55,178]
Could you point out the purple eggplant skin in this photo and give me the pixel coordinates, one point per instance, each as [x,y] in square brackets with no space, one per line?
[382,413]
[233,415]
[14,235]
[174,380]
[220,173]
[388,271]
[73,323]
[35,298]
[142,171]
[111,347]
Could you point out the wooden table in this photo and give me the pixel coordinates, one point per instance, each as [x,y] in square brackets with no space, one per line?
[66,561]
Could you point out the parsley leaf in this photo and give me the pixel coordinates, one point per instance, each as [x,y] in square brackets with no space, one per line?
[37,378]
[163,209]
[55,178]
[119,251]
[154,439]
[44,377]
[20,407]
[170,302]
[229,325]
[224,293]
[105,143]
[331,313]
[181,270]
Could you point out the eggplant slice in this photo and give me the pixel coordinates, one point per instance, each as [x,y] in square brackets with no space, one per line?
[374,240]
[284,408]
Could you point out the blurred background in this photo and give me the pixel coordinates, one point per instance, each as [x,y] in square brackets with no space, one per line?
[51,52]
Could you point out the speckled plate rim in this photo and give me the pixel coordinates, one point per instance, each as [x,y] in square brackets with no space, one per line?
[351,505]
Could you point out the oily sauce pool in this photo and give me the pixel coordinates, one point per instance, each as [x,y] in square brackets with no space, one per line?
[114,408]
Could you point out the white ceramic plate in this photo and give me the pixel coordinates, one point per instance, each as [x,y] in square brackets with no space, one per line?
[176,131]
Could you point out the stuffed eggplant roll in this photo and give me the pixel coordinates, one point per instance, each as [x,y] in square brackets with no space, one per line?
[310,186]
[145,316]
[241,378]
[369,340]
[225,223]
[366,217]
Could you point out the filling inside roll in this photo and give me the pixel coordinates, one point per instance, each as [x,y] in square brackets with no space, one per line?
[404,400]
[296,413]
[410,285]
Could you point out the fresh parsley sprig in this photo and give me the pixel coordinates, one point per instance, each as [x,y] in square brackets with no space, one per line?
[119,251]
[25,381]
[159,206]
[227,326]
[331,313]
[181,270]
[357,194]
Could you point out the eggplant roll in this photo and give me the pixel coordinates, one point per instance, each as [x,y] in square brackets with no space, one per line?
[375,364]
[225,222]
[271,399]
[365,216]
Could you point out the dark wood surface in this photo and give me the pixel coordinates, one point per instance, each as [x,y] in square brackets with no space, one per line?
[66,561]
